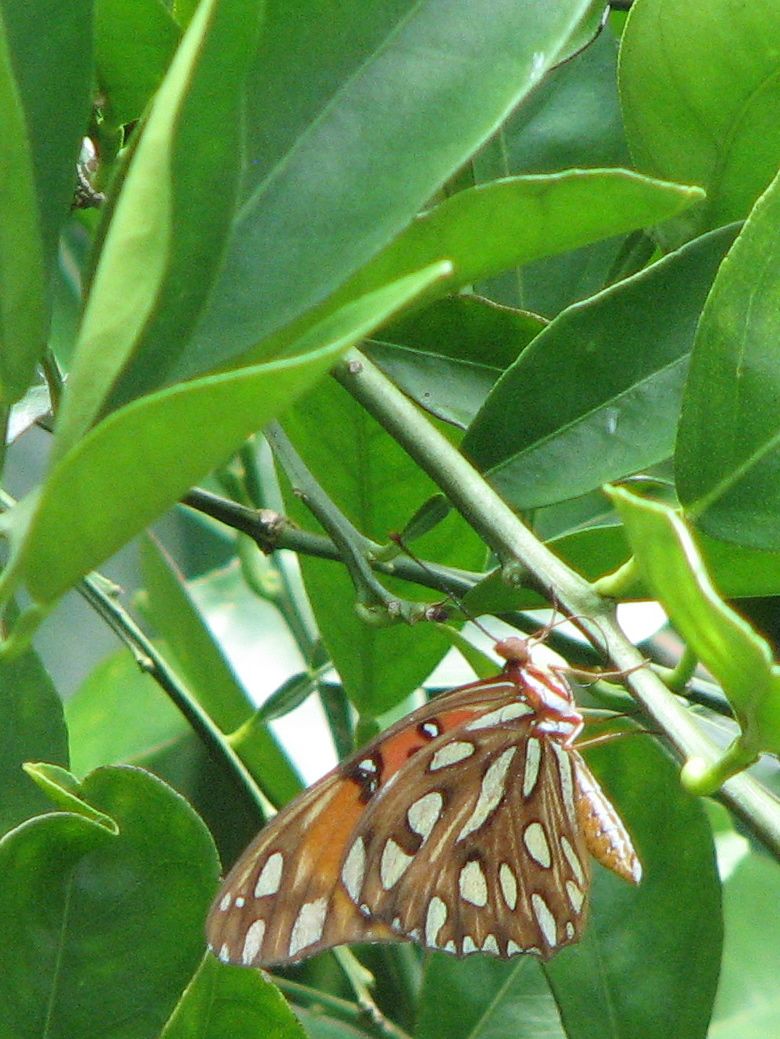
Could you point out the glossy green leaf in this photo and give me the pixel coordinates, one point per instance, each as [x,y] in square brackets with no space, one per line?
[597,394]
[739,658]
[31,729]
[631,974]
[163,247]
[44,105]
[223,1002]
[117,713]
[497,226]
[107,930]
[342,159]
[448,355]
[748,1003]
[134,43]
[140,459]
[572,120]
[727,451]
[700,87]
[379,489]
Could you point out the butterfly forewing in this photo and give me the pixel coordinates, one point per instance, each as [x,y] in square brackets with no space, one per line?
[465,827]
[283,899]
[485,856]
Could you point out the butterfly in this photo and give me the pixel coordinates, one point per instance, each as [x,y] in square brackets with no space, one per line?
[466,827]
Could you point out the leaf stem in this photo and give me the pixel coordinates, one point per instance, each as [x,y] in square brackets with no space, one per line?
[150,660]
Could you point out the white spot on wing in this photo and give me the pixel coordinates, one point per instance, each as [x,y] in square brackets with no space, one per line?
[567,780]
[424,813]
[545,919]
[573,859]
[490,794]
[393,864]
[490,944]
[569,930]
[240,902]
[472,884]
[576,897]
[512,948]
[435,919]
[354,869]
[270,876]
[224,954]
[535,840]
[253,942]
[533,755]
[500,716]
[308,925]
[508,881]
[469,945]
[451,754]
[224,904]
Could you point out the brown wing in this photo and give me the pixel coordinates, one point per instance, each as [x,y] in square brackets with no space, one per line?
[476,845]
[285,899]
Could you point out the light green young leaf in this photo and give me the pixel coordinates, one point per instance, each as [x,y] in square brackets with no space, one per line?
[729,648]
[163,247]
[140,459]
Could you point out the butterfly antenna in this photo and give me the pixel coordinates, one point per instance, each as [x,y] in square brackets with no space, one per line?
[397,539]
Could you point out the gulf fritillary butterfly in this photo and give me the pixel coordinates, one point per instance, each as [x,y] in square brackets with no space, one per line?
[465,827]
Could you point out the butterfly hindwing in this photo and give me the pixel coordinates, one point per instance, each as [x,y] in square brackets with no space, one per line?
[472,847]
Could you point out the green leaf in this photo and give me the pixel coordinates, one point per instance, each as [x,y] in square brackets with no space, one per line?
[223,1002]
[583,405]
[157,446]
[482,998]
[196,654]
[631,974]
[198,659]
[164,244]
[44,103]
[724,642]
[572,120]
[117,713]
[63,789]
[134,43]
[748,1003]
[448,355]
[31,729]
[727,450]
[404,93]
[489,229]
[379,489]
[107,930]
[700,87]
